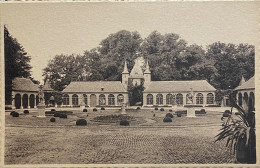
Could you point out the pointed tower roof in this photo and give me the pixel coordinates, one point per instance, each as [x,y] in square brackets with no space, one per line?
[137,71]
[242,81]
[147,68]
[47,86]
[125,68]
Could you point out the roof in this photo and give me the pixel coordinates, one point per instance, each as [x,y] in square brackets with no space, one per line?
[179,86]
[95,87]
[125,68]
[250,84]
[137,71]
[24,84]
[47,86]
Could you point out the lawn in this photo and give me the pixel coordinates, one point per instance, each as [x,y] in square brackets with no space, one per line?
[32,140]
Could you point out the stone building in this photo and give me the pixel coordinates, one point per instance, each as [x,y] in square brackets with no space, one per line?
[246,94]
[24,94]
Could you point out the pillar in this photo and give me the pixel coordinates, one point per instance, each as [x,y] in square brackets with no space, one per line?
[70,99]
[35,101]
[204,99]
[164,98]
[28,101]
[106,98]
[88,100]
[13,100]
[144,99]
[97,97]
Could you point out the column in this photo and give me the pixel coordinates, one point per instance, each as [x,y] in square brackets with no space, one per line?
[35,101]
[164,98]
[115,99]
[88,100]
[144,99]
[70,99]
[80,99]
[13,100]
[97,97]
[106,98]
[204,99]
[28,101]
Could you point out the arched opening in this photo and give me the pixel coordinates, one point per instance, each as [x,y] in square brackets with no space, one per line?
[75,100]
[251,102]
[37,100]
[149,98]
[66,99]
[85,99]
[52,101]
[120,99]
[199,98]
[111,99]
[17,100]
[25,101]
[102,100]
[159,99]
[169,99]
[179,99]
[210,98]
[93,100]
[240,102]
[245,101]
[32,97]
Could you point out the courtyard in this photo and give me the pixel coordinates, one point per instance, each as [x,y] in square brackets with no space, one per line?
[33,140]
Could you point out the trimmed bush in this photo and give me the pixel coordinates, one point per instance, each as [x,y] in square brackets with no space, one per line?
[170,110]
[162,109]
[94,109]
[52,120]
[53,110]
[124,123]
[12,112]
[81,122]
[85,110]
[26,112]
[156,108]
[226,114]
[102,108]
[63,116]
[169,115]
[167,119]
[138,108]
[15,114]
[178,114]
[228,111]
[56,115]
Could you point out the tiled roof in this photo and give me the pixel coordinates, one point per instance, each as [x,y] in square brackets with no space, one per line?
[24,84]
[179,86]
[250,84]
[47,86]
[95,87]
[137,71]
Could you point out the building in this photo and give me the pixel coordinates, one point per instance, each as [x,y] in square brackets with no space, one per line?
[48,94]
[24,94]
[95,93]
[159,93]
[246,94]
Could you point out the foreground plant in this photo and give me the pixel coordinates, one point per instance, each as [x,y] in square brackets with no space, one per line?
[239,131]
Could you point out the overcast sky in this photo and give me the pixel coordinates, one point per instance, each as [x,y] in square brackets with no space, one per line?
[48,29]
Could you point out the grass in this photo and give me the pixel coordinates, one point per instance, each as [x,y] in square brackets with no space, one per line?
[32,140]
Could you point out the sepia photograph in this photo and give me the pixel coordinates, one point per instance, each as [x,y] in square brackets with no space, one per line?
[132,83]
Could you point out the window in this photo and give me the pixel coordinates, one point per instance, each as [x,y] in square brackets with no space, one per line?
[75,100]
[159,99]
[66,99]
[199,98]
[85,99]
[210,98]
[169,99]
[149,99]
[120,99]
[102,99]
[179,99]
[111,99]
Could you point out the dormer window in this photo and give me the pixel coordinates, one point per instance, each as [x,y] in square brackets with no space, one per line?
[102,89]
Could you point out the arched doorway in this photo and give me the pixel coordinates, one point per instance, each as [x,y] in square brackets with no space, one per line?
[32,97]
[25,101]
[93,100]
[17,100]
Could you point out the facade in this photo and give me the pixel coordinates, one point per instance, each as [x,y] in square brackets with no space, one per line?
[95,93]
[24,94]
[246,94]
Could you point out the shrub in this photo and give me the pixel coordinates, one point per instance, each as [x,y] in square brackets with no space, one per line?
[52,120]
[203,111]
[53,110]
[81,122]
[169,115]
[162,109]
[237,113]
[156,108]
[170,110]
[12,112]
[26,112]
[226,114]
[94,109]
[178,114]
[63,116]
[138,108]
[15,114]
[56,115]
[124,123]
[228,111]
[167,119]
[102,108]
[85,110]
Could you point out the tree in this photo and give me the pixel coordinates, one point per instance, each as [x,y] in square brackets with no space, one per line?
[16,63]
[135,93]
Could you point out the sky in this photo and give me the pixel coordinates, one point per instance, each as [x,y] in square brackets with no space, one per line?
[49,29]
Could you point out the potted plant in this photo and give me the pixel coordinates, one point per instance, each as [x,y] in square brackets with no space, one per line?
[239,131]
